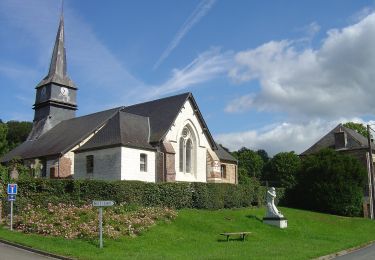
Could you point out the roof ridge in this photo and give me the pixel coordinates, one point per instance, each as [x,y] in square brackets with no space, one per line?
[160,99]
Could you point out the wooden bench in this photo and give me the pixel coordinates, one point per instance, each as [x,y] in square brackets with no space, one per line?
[241,234]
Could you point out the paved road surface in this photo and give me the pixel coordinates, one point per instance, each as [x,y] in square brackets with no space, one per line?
[8,252]
[367,253]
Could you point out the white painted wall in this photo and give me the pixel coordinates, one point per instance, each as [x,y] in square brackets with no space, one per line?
[187,116]
[130,165]
[107,164]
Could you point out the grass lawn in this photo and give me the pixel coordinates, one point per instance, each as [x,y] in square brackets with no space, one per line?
[195,235]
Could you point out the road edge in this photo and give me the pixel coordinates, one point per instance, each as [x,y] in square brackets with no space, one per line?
[37,251]
[346,251]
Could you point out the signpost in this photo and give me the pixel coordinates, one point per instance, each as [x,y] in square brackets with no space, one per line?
[12,192]
[101,204]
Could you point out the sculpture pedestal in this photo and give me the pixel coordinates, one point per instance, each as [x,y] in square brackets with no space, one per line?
[278,222]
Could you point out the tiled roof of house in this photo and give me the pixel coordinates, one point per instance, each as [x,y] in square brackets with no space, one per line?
[122,129]
[223,154]
[354,140]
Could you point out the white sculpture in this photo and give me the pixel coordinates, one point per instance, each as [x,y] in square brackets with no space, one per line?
[272,211]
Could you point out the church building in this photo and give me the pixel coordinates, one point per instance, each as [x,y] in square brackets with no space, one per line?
[163,140]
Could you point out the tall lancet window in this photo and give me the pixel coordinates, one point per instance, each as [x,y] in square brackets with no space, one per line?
[189,147]
[181,152]
[186,151]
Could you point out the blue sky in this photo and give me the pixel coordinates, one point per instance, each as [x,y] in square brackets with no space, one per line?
[273,75]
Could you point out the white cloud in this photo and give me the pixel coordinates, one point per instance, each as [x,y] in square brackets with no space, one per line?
[200,11]
[335,80]
[240,104]
[282,137]
[207,66]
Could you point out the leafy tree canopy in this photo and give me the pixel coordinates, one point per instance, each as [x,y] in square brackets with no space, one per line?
[17,132]
[249,161]
[3,139]
[358,127]
[283,169]
[262,153]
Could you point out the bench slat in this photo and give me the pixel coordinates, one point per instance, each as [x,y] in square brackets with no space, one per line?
[242,234]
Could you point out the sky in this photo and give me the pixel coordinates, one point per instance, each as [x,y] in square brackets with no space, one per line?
[272,75]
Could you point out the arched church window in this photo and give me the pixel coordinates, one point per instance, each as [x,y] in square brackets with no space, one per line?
[181,154]
[186,151]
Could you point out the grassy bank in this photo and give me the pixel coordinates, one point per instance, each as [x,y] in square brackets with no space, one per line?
[195,234]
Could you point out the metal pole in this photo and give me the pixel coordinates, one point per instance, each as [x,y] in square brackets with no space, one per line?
[101,227]
[371,173]
[11,215]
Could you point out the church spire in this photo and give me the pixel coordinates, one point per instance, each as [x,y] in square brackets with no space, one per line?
[57,69]
[56,94]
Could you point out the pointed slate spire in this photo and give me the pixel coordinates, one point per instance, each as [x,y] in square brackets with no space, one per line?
[57,69]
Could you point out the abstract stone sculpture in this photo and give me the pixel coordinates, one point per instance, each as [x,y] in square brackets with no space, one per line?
[273,215]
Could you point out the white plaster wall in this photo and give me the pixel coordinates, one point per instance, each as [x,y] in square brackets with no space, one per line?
[130,165]
[107,164]
[187,116]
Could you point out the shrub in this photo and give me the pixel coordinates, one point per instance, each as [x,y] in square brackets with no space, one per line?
[173,195]
[330,182]
[69,221]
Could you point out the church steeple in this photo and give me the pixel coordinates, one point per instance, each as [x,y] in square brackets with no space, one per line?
[56,94]
[57,69]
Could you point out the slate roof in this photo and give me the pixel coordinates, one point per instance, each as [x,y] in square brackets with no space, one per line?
[354,140]
[62,138]
[138,126]
[163,112]
[126,129]
[57,69]
[224,155]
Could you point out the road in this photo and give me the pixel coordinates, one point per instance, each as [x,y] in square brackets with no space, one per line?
[8,252]
[362,254]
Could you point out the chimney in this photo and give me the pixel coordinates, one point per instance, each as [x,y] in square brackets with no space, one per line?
[340,140]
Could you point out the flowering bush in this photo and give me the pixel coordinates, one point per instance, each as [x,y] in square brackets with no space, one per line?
[71,222]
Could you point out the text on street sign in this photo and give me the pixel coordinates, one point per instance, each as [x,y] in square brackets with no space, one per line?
[103,203]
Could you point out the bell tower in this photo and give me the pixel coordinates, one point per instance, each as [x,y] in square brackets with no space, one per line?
[56,94]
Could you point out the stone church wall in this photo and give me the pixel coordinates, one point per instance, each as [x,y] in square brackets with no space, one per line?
[231,176]
[107,164]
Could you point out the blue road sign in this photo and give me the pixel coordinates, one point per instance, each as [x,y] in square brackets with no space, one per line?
[11,197]
[12,189]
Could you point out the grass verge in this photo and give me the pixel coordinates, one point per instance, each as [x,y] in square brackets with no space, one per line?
[195,235]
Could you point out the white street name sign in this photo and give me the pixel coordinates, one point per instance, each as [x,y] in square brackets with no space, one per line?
[103,203]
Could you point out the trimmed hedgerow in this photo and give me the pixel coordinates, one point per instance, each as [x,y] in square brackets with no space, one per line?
[173,195]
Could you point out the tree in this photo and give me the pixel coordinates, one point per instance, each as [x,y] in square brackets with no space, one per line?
[331,182]
[358,127]
[17,132]
[3,138]
[283,169]
[262,153]
[249,161]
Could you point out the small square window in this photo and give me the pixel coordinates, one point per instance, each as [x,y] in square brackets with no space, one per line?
[89,164]
[143,162]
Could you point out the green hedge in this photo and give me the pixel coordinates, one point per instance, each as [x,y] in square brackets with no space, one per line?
[174,195]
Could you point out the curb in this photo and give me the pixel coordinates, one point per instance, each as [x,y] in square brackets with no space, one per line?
[345,252]
[37,251]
